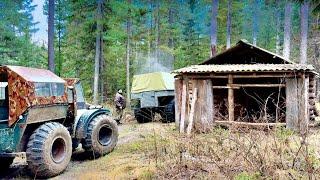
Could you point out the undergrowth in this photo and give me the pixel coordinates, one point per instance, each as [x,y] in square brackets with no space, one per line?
[250,154]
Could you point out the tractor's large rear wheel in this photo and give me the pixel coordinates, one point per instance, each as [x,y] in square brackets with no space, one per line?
[49,150]
[102,136]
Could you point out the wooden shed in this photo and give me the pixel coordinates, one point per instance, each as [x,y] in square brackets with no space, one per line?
[245,85]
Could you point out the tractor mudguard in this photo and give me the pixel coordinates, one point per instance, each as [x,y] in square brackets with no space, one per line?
[83,119]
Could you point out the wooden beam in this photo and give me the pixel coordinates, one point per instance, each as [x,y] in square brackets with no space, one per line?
[250,125]
[193,104]
[183,106]
[177,104]
[235,76]
[258,85]
[224,87]
[230,99]
[238,86]
[303,85]
[292,104]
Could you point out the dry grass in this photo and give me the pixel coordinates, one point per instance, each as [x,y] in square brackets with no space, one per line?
[129,160]
[157,151]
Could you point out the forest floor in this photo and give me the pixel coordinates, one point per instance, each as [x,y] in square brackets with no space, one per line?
[125,162]
[157,151]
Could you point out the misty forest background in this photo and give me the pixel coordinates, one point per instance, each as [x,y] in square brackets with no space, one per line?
[114,39]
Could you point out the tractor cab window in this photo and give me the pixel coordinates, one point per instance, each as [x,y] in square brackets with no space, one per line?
[81,103]
[79,90]
[4,98]
[70,96]
[49,89]
[3,90]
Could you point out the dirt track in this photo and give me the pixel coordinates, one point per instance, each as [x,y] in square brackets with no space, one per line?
[112,166]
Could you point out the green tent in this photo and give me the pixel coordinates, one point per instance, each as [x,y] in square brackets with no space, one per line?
[157,81]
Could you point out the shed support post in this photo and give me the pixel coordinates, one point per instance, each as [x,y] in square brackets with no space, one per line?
[292,104]
[230,98]
[297,104]
[177,104]
[183,105]
[204,107]
[191,114]
[303,89]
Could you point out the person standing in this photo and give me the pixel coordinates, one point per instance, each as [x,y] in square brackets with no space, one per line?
[120,104]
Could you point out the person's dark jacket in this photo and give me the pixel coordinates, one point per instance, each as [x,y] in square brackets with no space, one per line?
[120,101]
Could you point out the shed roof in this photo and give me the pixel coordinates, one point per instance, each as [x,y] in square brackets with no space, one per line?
[232,68]
[36,75]
[246,53]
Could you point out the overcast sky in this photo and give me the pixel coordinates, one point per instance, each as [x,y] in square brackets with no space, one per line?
[40,36]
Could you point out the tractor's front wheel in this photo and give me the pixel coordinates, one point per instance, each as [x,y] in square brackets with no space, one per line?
[49,150]
[102,136]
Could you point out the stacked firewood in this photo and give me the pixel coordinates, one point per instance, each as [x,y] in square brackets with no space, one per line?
[312,98]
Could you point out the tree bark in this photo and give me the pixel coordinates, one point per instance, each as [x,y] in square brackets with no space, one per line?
[98,53]
[255,22]
[170,43]
[215,4]
[278,14]
[102,66]
[157,29]
[229,25]
[149,27]
[128,54]
[51,64]
[287,31]
[304,14]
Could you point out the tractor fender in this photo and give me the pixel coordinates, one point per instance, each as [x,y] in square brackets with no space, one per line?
[83,119]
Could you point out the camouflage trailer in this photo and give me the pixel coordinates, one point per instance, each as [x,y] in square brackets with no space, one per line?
[153,93]
[45,117]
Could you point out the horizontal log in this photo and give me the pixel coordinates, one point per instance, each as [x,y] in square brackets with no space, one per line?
[312,82]
[257,85]
[250,125]
[312,103]
[212,76]
[225,87]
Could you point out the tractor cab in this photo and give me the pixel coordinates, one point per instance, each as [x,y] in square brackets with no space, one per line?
[75,93]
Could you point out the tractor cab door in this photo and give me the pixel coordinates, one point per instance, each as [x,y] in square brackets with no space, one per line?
[72,106]
[80,101]
[4,98]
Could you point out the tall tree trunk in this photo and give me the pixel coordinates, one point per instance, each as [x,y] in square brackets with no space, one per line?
[278,24]
[229,25]
[287,31]
[214,24]
[51,36]
[158,29]
[255,22]
[149,24]
[128,53]
[304,14]
[170,43]
[101,76]
[59,38]
[98,53]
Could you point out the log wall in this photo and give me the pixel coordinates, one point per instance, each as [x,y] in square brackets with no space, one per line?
[194,98]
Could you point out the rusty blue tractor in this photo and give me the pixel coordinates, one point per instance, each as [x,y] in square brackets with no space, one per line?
[45,117]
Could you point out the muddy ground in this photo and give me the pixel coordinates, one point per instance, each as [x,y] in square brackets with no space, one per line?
[122,163]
